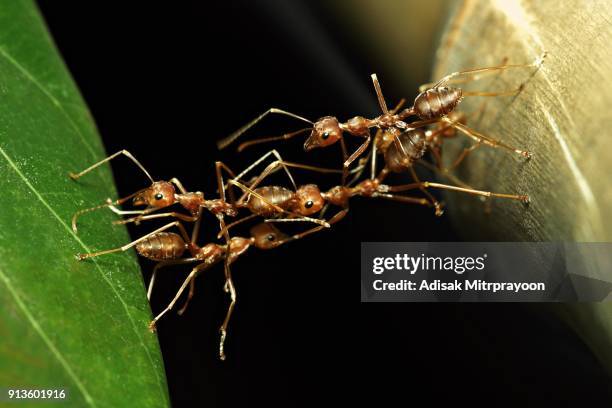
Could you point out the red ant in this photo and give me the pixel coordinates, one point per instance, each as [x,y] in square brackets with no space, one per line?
[167,248]
[431,105]
[160,194]
[316,200]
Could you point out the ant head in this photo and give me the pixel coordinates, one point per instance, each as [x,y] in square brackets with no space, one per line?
[238,246]
[326,131]
[159,195]
[309,199]
[266,235]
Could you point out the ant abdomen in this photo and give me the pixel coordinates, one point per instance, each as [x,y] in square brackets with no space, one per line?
[162,246]
[412,146]
[436,102]
[275,195]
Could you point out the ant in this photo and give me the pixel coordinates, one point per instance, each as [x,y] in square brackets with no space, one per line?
[159,195]
[431,106]
[167,248]
[305,199]
[412,147]
[298,203]
[162,194]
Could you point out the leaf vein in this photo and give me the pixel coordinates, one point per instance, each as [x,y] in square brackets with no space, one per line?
[125,306]
[46,339]
[53,99]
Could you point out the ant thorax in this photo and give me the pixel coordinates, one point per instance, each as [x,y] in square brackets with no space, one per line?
[338,195]
[357,126]
[384,138]
[191,201]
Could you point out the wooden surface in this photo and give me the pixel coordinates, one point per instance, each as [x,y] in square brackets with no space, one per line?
[562,116]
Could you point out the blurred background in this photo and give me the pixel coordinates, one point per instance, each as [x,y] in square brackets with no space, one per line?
[167,80]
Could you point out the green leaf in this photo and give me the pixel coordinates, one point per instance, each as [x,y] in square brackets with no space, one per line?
[79,326]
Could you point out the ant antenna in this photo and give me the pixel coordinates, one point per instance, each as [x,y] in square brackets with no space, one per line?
[223,143]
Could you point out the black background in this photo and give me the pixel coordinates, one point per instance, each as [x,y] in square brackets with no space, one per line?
[165,80]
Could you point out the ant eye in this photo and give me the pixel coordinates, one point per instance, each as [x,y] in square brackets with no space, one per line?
[325,135]
[159,196]
[308,204]
[271,237]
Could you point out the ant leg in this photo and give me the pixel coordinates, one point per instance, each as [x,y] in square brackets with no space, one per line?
[429,184]
[383,174]
[191,276]
[317,169]
[324,210]
[398,106]
[123,212]
[286,164]
[189,296]
[444,173]
[403,199]
[500,93]
[84,211]
[229,287]
[321,224]
[182,217]
[163,264]
[379,95]
[479,137]
[219,167]
[358,171]
[75,176]
[223,143]
[536,64]
[373,152]
[270,169]
[196,227]
[468,78]
[333,220]
[352,157]
[373,159]
[177,183]
[465,153]
[436,152]
[110,204]
[437,206]
[178,224]
[255,164]
[279,159]
[273,167]
[233,224]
